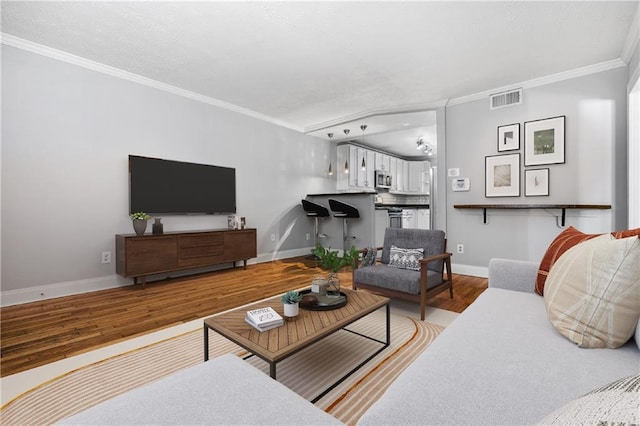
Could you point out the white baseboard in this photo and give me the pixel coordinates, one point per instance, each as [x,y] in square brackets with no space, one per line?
[474,271]
[51,291]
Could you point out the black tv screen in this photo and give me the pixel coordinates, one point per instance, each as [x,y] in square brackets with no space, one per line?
[159,186]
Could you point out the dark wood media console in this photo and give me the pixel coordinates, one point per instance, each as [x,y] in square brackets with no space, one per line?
[140,255]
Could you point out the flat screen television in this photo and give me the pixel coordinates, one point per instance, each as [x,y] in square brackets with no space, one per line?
[158,186]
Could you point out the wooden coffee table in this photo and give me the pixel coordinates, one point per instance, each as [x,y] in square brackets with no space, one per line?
[306,329]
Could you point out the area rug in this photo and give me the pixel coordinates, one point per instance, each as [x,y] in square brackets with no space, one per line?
[307,373]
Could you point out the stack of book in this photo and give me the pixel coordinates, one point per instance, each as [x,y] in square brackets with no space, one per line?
[264,319]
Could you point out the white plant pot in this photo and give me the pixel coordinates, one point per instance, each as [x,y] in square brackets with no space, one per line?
[291,310]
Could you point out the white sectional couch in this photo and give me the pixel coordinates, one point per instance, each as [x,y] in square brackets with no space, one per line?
[500,362]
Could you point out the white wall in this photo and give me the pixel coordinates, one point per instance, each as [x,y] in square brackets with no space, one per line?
[66,135]
[594,172]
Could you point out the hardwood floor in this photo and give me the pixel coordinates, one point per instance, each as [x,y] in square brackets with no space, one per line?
[38,333]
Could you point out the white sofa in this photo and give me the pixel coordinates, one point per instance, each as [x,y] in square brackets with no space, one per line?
[500,363]
[223,391]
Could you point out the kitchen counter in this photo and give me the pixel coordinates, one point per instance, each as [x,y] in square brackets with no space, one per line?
[404,206]
[337,194]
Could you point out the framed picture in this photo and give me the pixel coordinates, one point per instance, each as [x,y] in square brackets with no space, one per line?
[509,137]
[536,182]
[544,141]
[502,175]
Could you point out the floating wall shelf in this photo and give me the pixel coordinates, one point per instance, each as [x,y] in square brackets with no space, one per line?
[562,207]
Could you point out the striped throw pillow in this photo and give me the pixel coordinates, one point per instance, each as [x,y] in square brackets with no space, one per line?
[592,294]
[563,242]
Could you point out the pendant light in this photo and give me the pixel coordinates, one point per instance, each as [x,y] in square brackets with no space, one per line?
[363,127]
[330,170]
[346,162]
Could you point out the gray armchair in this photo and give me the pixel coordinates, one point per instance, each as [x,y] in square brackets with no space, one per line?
[393,276]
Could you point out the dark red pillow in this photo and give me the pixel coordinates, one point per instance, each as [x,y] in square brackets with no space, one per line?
[563,242]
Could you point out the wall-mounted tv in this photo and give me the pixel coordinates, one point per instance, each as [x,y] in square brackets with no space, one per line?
[158,186]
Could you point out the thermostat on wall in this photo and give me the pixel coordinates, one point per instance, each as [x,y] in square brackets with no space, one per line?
[460,184]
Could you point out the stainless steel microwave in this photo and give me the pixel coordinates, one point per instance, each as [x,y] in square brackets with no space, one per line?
[383,179]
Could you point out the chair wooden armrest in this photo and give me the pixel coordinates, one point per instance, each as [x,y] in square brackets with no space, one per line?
[426,260]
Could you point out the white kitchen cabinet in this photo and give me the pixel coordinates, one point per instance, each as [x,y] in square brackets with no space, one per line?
[342,159]
[371,170]
[410,177]
[415,176]
[393,167]
[422,216]
[350,174]
[409,218]
[354,167]
[366,168]
[383,162]
[403,175]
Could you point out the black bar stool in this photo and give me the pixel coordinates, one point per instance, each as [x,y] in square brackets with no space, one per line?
[315,211]
[344,211]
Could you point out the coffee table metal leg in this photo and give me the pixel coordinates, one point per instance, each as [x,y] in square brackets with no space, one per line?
[206,343]
[272,370]
[346,376]
[388,324]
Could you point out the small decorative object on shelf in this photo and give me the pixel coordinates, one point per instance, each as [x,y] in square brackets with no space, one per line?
[291,300]
[233,222]
[157,227]
[139,222]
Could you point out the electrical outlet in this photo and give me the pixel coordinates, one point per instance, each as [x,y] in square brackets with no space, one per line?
[308,236]
[273,237]
[106,257]
[460,248]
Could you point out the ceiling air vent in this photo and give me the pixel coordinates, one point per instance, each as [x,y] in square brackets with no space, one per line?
[505,99]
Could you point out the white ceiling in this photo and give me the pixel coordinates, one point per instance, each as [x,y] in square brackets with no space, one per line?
[314,65]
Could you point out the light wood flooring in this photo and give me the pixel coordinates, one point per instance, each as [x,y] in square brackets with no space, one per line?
[38,333]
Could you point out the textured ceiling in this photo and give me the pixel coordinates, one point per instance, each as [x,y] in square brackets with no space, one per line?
[310,64]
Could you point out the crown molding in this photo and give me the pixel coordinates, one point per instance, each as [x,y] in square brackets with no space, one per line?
[49,52]
[373,112]
[633,38]
[542,81]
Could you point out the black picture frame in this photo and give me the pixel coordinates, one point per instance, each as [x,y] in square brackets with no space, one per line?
[544,141]
[536,183]
[509,137]
[502,175]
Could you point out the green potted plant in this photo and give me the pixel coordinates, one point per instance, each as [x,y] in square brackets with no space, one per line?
[330,260]
[139,222]
[291,300]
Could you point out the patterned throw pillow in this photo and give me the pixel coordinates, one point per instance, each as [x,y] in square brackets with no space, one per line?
[563,242]
[592,294]
[406,258]
[612,404]
[369,258]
